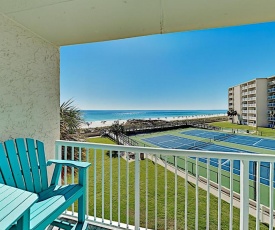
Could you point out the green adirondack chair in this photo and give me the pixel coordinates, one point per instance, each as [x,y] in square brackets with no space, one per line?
[23,165]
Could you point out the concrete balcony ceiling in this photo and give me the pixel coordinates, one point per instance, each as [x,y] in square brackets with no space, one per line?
[65,22]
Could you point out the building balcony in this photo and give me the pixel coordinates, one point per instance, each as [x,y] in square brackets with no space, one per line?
[271,83]
[251,98]
[243,94]
[271,90]
[245,99]
[244,111]
[271,97]
[252,111]
[252,118]
[251,86]
[252,92]
[251,105]
[271,104]
[245,117]
[133,187]
[271,118]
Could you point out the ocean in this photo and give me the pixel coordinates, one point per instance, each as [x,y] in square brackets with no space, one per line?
[107,115]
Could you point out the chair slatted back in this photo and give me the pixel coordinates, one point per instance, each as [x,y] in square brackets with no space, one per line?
[23,164]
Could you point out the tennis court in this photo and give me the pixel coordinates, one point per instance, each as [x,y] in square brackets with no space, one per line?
[258,142]
[176,142]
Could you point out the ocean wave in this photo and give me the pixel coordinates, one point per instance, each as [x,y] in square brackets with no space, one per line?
[99,115]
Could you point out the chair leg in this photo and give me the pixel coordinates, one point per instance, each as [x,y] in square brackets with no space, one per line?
[81,208]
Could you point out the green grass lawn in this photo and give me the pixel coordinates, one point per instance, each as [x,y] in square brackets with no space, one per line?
[160,204]
[268,132]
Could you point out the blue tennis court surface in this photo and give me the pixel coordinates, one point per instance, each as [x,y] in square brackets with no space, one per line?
[234,138]
[176,142]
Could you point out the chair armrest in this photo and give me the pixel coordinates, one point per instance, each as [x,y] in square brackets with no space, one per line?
[82,166]
[77,164]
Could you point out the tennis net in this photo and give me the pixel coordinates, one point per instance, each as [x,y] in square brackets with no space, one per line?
[200,144]
[222,136]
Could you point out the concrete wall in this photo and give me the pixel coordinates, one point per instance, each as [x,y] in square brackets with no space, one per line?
[261,102]
[29,86]
[237,104]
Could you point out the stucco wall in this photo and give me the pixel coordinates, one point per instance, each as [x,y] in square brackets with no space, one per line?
[237,104]
[261,102]
[29,86]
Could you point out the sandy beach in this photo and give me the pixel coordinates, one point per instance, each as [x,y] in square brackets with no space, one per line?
[95,124]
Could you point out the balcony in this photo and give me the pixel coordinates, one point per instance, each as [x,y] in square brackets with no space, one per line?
[251,105]
[243,94]
[271,83]
[251,99]
[271,104]
[252,92]
[252,86]
[245,117]
[271,90]
[244,111]
[141,187]
[252,118]
[252,111]
[271,97]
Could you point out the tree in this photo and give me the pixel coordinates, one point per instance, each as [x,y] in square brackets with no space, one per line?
[117,129]
[272,115]
[70,120]
[232,113]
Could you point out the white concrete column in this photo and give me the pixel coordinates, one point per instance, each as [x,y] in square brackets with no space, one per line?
[29,86]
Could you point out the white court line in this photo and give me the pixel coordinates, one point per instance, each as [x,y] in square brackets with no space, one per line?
[225,162]
[258,142]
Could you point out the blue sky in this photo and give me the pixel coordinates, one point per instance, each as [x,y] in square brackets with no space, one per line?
[186,70]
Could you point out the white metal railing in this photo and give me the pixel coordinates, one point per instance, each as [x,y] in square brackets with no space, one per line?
[124,192]
[271,90]
[244,117]
[252,111]
[252,86]
[252,92]
[252,99]
[251,105]
[244,111]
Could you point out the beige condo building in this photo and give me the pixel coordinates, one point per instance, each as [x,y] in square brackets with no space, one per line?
[254,102]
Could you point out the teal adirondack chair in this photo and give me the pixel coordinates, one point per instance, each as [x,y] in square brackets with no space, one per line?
[23,165]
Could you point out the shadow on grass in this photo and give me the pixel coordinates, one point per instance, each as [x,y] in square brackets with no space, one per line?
[114,154]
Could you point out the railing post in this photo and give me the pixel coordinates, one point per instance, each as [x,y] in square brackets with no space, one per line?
[57,151]
[137,192]
[58,155]
[244,194]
